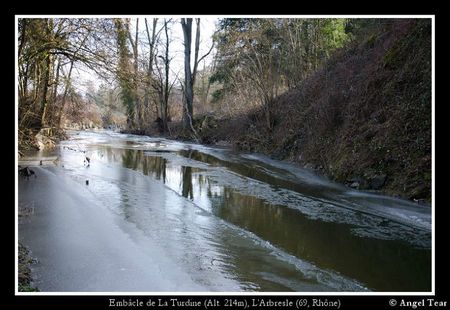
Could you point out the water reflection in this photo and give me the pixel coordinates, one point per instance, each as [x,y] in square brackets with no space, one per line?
[384,265]
[187,192]
[259,171]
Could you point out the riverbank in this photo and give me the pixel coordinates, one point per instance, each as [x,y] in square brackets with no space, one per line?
[24,271]
[363,119]
[162,215]
[235,133]
[31,140]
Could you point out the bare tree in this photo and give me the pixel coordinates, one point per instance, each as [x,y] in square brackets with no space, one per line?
[165,97]
[186,24]
[152,39]
[189,76]
[46,46]
[66,91]
[134,44]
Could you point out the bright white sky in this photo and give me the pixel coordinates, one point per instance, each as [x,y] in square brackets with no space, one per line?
[176,49]
[207,28]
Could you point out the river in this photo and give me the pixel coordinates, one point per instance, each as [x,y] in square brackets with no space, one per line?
[162,215]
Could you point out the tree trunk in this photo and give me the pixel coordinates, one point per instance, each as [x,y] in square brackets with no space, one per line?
[22,35]
[66,91]
[55,91]
[197,46]
[151,40]
[134,44]
[36,83]
[166,82]
[47,67]
[45,82]
[23,84]
[188,87]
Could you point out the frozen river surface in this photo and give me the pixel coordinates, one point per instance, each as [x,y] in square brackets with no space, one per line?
[164,216]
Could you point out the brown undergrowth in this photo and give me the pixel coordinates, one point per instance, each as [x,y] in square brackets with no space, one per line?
[365,112]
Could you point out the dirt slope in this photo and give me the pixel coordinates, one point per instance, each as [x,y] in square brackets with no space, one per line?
[364,116]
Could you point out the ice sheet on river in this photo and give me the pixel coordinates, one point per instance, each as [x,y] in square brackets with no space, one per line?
[160,215]
[373,215]
[82,246]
